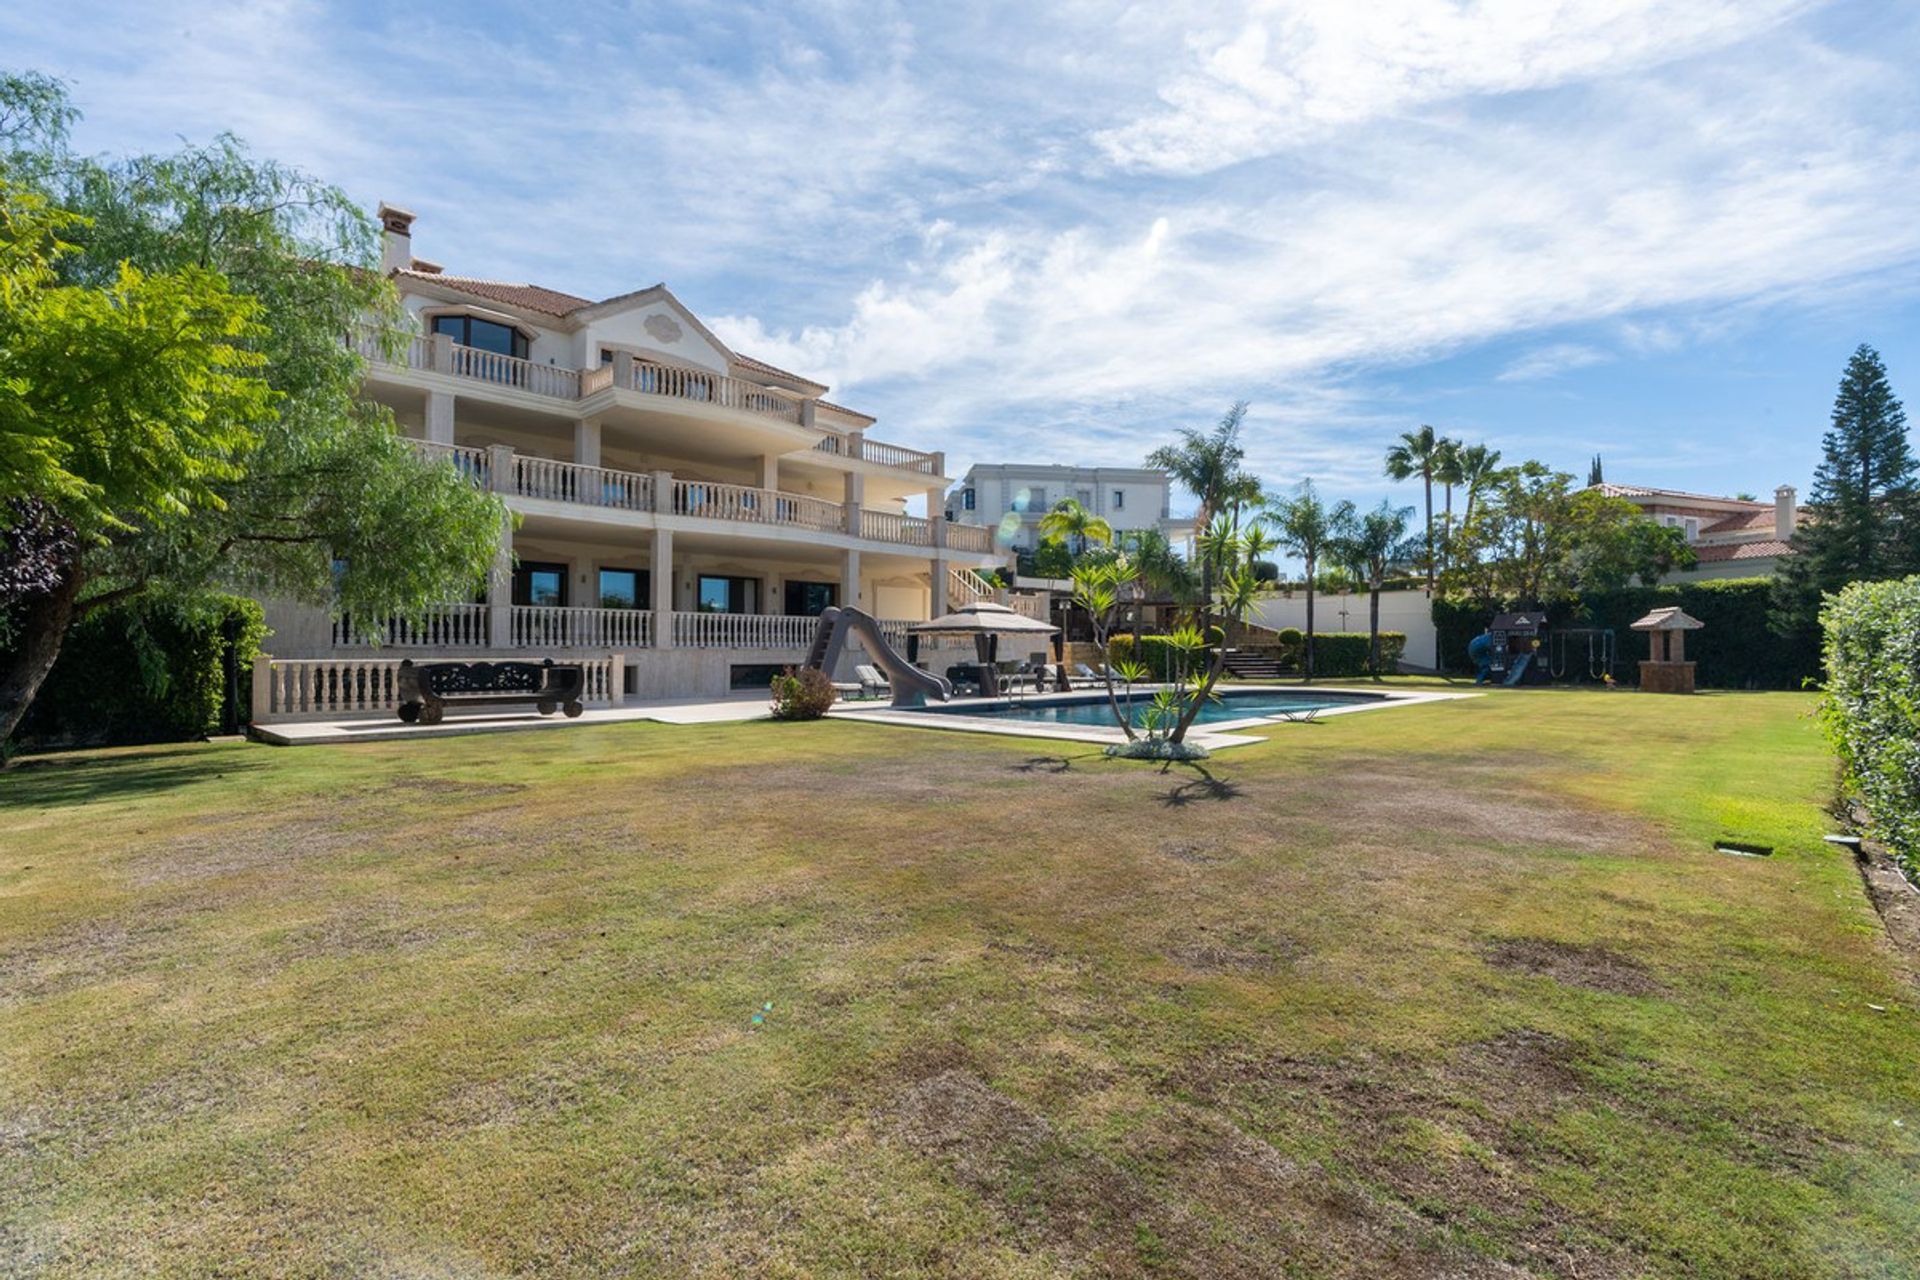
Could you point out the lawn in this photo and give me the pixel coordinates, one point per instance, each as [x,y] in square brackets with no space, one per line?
[1451,990]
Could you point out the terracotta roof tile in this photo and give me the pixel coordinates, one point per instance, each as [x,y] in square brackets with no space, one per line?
[1742,551]
[1757,519]
[530,296]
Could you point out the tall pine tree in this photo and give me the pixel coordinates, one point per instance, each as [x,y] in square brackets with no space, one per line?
[1862,522]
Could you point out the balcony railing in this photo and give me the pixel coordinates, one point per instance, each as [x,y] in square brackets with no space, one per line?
[969,537]
[417,351]
[711,388]
[573,482]
[757,506]
[445,626]
[554,627]
[889,526]
[743,630]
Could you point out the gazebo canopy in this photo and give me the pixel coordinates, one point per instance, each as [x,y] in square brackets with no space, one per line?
[983,618]
[1668,619]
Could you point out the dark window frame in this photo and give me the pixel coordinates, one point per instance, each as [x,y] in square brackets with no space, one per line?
[740,592]
[642,586]
[523,580]
[462,321]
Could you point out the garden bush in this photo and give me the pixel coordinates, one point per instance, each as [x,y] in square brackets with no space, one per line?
[1872,709]
[1736,650]
[151,671]
[1156,653]
[802,693]
[1344,653]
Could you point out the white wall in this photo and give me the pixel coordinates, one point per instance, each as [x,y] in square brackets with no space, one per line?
[1407,611]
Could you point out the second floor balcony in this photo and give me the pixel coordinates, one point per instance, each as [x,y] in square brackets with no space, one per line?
[660,493]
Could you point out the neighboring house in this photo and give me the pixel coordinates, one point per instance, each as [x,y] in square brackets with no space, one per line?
[1011,498]
[682,506]
[1732,537]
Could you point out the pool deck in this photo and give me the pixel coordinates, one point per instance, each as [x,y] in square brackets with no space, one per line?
[1218,736]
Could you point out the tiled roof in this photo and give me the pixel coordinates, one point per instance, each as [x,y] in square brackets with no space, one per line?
[1742,551]
[530,296]
[761,366]
[1644,491]
[1739,520]
[851,413]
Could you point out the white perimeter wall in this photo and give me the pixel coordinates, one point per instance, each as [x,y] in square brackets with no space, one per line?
[1407,611]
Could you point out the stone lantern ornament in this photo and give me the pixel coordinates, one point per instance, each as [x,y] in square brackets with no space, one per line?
[1666,669]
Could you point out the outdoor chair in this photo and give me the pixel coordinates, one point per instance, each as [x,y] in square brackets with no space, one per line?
[872,683]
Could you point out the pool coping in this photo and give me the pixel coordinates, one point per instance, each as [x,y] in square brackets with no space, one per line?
[1217,736]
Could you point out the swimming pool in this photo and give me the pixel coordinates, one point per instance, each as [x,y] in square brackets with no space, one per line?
[1249,704]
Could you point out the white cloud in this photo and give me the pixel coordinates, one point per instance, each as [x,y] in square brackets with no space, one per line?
[1296,69]
[1550,361]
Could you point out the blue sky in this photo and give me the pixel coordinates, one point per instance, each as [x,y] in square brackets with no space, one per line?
[1648,228]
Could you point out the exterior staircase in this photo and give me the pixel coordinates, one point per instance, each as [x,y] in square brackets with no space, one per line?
[1251,664]
[965,587]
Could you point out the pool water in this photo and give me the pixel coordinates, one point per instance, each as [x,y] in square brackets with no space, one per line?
[1232,706]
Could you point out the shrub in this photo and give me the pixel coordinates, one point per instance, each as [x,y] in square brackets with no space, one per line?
[802,693]
[150,671]
[1156,654]
[1737,649]
[1293,646]
[1344,653]
[1872,709]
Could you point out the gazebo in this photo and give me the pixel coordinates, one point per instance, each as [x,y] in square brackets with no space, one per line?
[1666,669]
[986,622]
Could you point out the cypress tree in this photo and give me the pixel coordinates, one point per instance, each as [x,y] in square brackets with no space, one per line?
[1862,507]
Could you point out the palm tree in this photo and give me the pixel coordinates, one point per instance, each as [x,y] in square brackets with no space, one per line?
[1446,471]
[1208,466]
[1306,527]
[1418,454]
[1072,523]
[1370,546]
[1477,465]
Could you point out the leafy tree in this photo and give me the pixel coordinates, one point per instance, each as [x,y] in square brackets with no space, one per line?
[1478,466]
[1070,522]
[1448,473]
[1208,465]
[1532,538]
[1370,545]
[1865,513]
[1306,527]
[1419,453]
[176,391]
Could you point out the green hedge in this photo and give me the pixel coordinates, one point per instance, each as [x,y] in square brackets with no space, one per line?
[1156,652]
[146,672]
[1737,649]
[1344,653]
[1872,711]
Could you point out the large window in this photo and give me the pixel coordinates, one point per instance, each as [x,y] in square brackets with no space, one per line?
[727,595]
[811,599]
[487,335]
[625,589]
[967,500]
[540,584]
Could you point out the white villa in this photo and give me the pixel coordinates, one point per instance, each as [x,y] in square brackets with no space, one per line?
[685,511]
[1014,496]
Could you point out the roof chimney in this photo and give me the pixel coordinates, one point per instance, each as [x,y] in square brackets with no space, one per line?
[1783,505]
[396,239]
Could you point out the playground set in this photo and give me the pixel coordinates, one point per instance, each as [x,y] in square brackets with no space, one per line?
[1524,648]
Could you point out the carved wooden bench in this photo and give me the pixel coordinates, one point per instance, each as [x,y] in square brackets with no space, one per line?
[428,688]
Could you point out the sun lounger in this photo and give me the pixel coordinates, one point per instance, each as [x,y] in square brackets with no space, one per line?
[872,683]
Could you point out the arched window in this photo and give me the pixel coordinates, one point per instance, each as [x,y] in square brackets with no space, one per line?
[486,335]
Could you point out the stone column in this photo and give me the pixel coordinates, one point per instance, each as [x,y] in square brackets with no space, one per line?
[855,497]
[941,600]
[767,475]
[586,442]
[440,353]
[662,580]
[500,588]
[850,579]
[440,417]
[937,517]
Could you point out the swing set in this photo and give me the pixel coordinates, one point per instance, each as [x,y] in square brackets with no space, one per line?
[1563,652]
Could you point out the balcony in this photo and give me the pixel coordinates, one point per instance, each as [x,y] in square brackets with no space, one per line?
[438,354]
[514,474]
